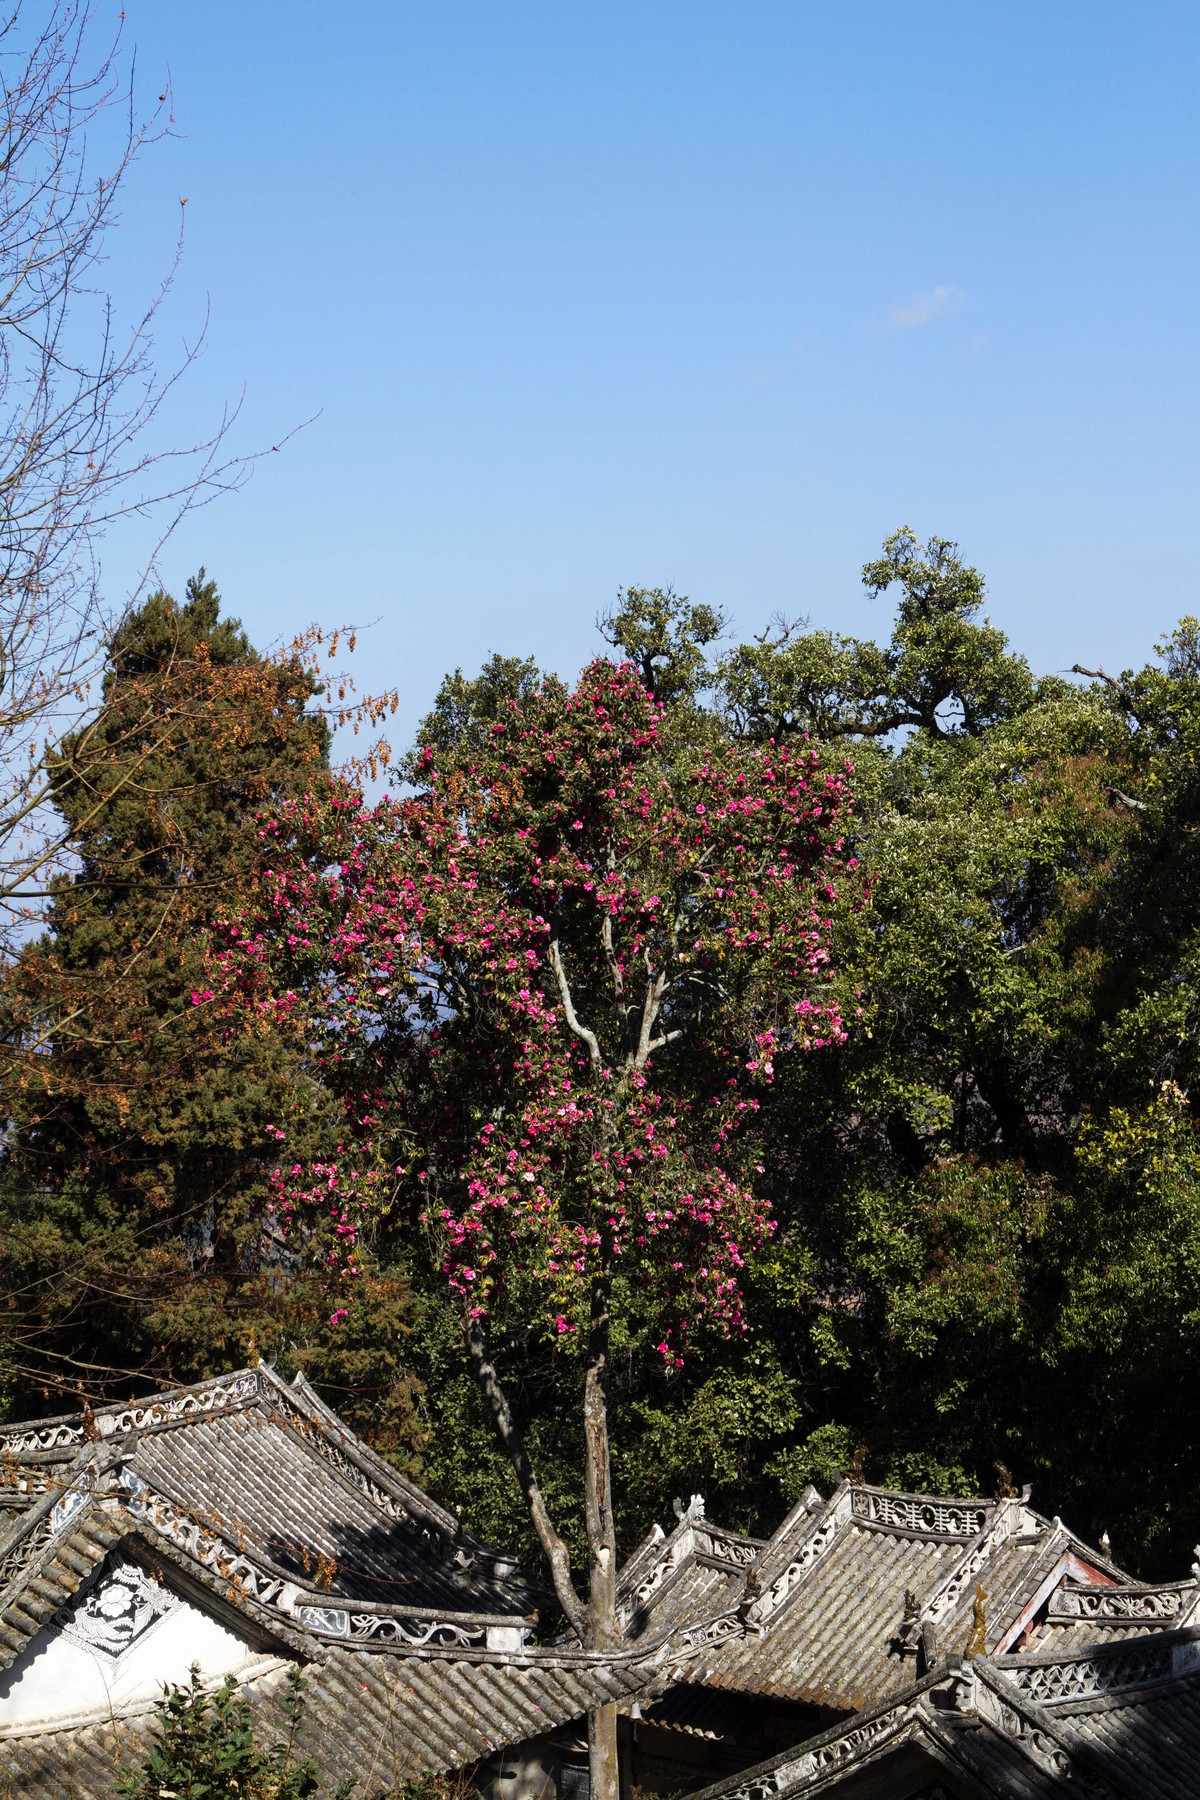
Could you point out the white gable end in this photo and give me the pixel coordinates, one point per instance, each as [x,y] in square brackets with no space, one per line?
[114,1645]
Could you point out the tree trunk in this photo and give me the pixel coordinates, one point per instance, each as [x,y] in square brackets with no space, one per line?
[514,1447]
[603,1765]
[601,1535]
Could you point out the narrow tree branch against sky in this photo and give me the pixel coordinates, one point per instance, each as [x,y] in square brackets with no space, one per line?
[81,403]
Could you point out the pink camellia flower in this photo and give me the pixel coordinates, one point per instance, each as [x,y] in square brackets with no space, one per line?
[579,1018]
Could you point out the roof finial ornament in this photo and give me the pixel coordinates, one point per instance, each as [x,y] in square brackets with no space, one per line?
[856,1473]
[1106,1543]
[1006,1487]
[690,1514]
[91,1431]
[977,1641]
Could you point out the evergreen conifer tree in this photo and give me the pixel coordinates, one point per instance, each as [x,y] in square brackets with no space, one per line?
[133,1250]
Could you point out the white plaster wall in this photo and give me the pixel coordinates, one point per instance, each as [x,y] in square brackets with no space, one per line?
[54,1678]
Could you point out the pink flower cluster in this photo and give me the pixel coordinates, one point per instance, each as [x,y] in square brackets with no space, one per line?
[548,986]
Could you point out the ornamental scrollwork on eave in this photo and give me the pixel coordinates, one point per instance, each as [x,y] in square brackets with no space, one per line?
[1143,1660]
[890,1727]
[139,1417]
[42,1529]
[810,1552]
[19,1555]
[926,1518]
[1114,1604]
[235,1568]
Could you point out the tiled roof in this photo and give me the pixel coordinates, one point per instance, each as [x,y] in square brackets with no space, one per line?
[698,1570]
[1077,1616]
[252,1499]
[386,1719]
[833,1601]
[1112,1724]
[268,1466]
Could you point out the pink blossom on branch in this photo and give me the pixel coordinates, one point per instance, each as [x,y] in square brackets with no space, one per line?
[549,987]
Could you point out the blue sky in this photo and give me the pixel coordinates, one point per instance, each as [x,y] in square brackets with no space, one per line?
[716,295]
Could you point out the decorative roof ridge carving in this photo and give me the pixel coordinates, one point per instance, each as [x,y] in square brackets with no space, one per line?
[268,1592]
[99,1437]
[1126,1601]
[959,1713]
[775,1584]
[673,1554]
[943,1601]
[736,1539]
[978,1697]
[266,1580]
[926,1516]
[798,1524]
[69,1430]
[302,1410]
[263,1596]
[1131,1663]
[649,1548]
[802,1764]
[40,1527]
[669,1557]
[279,1601]
[986,1501]
[502,1640]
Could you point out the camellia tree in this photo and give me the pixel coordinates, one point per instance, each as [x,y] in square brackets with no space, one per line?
[549,985]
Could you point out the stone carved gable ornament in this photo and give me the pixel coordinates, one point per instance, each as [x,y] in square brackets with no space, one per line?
[117,1611]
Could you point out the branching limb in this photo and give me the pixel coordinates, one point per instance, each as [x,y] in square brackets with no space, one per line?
[656,987]
[583,1032]
[1116,687]
[513,1445]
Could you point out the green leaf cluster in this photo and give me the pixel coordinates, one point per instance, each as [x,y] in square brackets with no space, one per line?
[206,1748]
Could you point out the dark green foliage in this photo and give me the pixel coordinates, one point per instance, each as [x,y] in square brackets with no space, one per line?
[664,635]
[465,711]
[996,1179]
[989,1199]
[205,1749]
[132,1247]
[943,672]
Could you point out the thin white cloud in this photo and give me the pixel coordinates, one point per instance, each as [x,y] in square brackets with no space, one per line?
[926,308]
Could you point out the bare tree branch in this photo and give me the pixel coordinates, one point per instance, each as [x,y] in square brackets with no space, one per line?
[583,1032]
[79,397]
[513,1445]
[1116,687]
[1126,800]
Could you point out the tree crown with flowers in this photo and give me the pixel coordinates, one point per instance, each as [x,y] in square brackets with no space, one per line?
[549,983]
